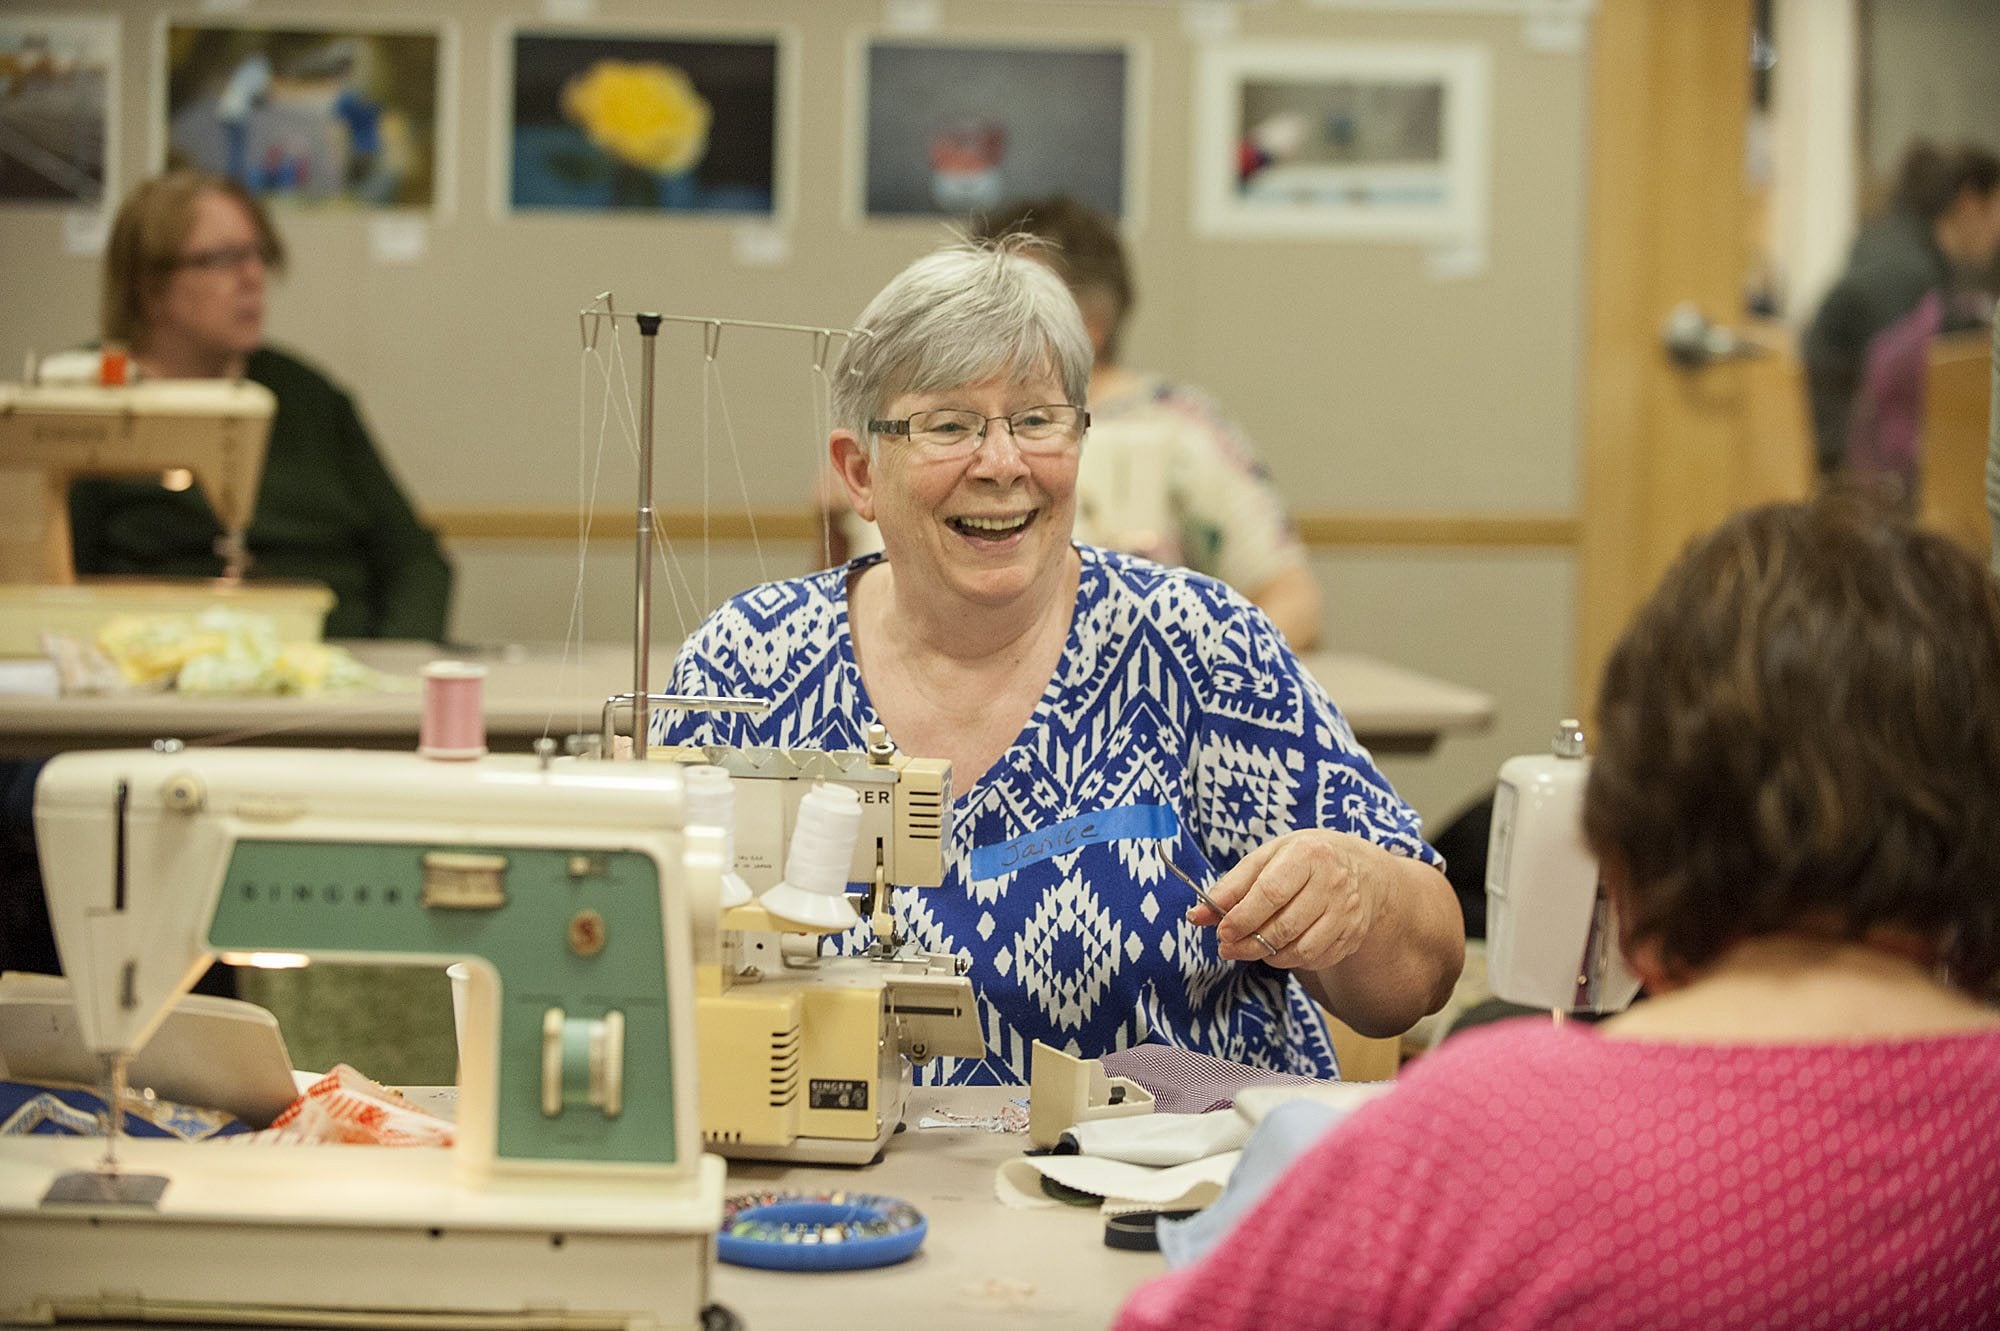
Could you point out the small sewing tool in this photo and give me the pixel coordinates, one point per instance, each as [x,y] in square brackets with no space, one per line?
[1210,902]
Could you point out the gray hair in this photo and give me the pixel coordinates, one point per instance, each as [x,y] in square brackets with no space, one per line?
[967,313]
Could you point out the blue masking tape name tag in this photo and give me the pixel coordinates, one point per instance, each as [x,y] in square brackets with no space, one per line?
[1132,821]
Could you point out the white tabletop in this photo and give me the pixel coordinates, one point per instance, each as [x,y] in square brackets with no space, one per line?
[982,1264]
[551,690]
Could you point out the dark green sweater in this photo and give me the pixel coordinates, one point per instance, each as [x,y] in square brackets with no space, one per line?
[328,510]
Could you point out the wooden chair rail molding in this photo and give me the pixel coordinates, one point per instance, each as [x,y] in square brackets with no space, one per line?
[1556,531]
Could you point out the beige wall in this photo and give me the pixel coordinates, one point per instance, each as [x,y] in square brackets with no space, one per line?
[1370,385]
[1927,72]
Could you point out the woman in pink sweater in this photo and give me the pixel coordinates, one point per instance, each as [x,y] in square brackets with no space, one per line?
[1795,800]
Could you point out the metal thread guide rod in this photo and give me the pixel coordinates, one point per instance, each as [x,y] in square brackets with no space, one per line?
[642,610]
[641,697]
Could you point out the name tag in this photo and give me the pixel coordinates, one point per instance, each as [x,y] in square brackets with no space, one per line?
[1132,821]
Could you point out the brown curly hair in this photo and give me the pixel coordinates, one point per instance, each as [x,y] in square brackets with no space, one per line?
[1801,728]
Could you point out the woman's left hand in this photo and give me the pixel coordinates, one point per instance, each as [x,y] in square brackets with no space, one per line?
[1312,896]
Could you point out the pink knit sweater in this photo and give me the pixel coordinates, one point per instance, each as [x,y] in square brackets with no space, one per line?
[1530,1178]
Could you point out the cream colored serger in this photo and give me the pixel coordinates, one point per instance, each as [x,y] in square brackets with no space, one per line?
[804,1057]
[578,1193]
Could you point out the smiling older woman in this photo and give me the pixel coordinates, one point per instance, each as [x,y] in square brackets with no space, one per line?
[1105,718]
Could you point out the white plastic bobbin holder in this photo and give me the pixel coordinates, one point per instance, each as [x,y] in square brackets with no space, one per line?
[711,802]
[454,717]
[814,889]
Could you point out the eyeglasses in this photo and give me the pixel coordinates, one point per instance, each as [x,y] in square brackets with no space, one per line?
[223,258]
[952,432]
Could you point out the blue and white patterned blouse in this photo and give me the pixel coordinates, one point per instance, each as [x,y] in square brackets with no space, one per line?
[1177,722]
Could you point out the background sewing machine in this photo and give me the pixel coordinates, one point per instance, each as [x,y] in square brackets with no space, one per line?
[1551,929]
[204,433]
[804,1057]
[208,433]
[578,1188]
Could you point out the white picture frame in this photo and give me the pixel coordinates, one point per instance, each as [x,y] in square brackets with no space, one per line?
[1354,141]
[1064,134]
[59,103]
[210,111]
[773,208]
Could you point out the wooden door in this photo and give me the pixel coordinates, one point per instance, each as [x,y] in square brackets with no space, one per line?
[1951,491]
[1669,450]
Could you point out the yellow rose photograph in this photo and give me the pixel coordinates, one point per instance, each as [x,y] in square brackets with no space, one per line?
[610,122]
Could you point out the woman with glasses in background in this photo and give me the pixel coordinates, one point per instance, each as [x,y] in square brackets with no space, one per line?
[185,278]
[1103,716]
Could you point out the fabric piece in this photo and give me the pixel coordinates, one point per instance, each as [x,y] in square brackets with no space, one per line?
[218,651]
[1171,690]
[1285,1134]
[53,1110]
[1122,1187]
[1187,1081]
[328,510]
[1159,1139]
[1255,1102]
[1526,1177]
[346,1107]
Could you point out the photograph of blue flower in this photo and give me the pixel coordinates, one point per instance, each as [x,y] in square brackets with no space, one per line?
[313,115]
[625,122]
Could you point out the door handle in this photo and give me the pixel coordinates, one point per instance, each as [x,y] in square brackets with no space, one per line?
[1691,341]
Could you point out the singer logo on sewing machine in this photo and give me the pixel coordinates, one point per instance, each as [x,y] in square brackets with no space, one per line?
[325,894]
[832,1093]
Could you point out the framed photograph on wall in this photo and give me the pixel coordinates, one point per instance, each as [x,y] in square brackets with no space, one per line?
[1363,141]
[637,122]
[948,128]
[58,108]
[308,113]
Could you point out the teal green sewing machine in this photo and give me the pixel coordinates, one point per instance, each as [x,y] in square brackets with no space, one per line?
[578,1192]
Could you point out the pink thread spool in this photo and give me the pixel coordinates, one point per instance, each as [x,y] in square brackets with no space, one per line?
[454,721]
